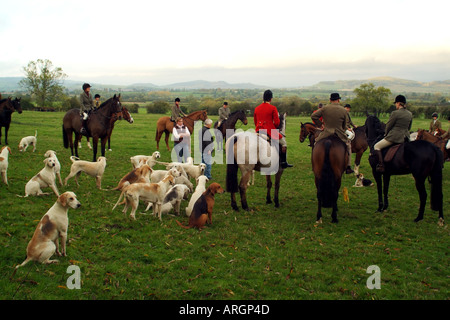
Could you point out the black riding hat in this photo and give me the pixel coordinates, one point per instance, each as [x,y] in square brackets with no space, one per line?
[85,86]
[434,115]
[400,98]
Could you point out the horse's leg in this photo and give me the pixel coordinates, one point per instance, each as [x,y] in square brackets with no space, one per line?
[277,188]
[166,138]
[420,186]
[103,145]
[1,135]
[358,161]
[269,187]
[109,143]
[243,188]
[233,201]
[379,183]
[334,218]
[94,147]
[6,133]
[386,180]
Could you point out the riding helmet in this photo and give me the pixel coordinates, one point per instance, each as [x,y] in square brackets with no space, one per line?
[400,98]
[434,115]
[85,86]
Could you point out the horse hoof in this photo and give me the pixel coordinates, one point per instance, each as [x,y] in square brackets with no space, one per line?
[235,208]
[268,201]
[334,221]
[277,204]
[417,219]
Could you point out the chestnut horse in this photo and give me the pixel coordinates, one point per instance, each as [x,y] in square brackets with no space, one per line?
[440,143]
[98,125]
[420,158]
[7,107]
[164,125]
[328,164]
[250,151]
[359,143]
[229,124]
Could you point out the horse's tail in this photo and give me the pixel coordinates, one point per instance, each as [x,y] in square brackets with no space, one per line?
[65,138]
[326,191]
[232,168]
[436,181]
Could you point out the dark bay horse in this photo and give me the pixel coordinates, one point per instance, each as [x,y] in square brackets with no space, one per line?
[250,151]
[123,114]
[328,164]
[164,125]
[229,124]
[7,107]
[98,125]
[359,143]
[440,143]
[420,158]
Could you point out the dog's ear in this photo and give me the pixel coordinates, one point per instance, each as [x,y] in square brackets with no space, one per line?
[62,199]
[9,149]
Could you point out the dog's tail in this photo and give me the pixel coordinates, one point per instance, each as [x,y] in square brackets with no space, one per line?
[23,263]
[35,134]
[73,158]
[121,194]
[65,138]
[232,168]
[183,226]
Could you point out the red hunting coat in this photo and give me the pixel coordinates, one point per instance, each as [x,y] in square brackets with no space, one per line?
[266,117]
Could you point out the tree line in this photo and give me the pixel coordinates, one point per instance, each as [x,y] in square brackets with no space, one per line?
[44,91]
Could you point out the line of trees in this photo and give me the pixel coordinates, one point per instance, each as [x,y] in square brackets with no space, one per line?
[44,84]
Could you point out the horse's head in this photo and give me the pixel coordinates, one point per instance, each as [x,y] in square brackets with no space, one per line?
[116,106]
[282,126]
[374,129]
[204,115]
[420,134]
[242,116]
[126,115]
[303,132]
[16,105]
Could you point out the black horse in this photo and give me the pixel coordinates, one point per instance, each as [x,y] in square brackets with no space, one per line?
[98,125]
[328,158]
[9,106]
[228,124]
[420,158]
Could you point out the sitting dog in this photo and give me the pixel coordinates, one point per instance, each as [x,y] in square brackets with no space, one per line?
[148,192]
[138,161]
[202,211]
[139,175]
[94,169]
[52,227]
[199,189]
[52,154]
[28,141]
[4,155]
[45,178]
[362,182]
[173,198]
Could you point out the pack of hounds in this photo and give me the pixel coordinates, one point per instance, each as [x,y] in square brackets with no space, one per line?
[164,190]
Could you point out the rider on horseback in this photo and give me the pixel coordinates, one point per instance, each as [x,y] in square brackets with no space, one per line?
[266,118]
[224,113]
[176,111]
[86,105]
[397,129]
[335,121]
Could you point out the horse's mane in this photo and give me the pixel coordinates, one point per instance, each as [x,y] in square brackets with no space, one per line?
[104,103]
[310,124]
[237,111]
[282,124]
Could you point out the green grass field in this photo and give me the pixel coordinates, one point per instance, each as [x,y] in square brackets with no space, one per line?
[266,253]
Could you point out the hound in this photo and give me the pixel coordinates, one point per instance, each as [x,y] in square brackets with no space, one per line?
[50,229]
[45,178]
[138,161]
[202,211]
[28,141]
[4,155]
[173,198]
[199,189]
[138,175]
[362,182]
[148,192]
[52,154]
[193,171]
[94,169]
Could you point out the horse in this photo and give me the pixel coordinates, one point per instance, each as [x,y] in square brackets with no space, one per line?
[420,158]
[328,164]
[164,125]
[250,151]
[228,124]
[440,143]
[123,114]
[98,125]
[7,107]
[359,143]
[438,132]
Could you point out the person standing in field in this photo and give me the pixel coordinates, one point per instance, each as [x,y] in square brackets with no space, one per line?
[206,146]
[266,118]
[335,121]
[182,140]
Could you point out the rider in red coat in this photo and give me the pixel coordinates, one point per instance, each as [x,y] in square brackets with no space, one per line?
[266,118]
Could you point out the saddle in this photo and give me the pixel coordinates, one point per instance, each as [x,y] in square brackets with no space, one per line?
[391,151]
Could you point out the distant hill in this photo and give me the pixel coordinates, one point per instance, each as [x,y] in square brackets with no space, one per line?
[394,84]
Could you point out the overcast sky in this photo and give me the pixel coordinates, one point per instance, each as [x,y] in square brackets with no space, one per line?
[276,43]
